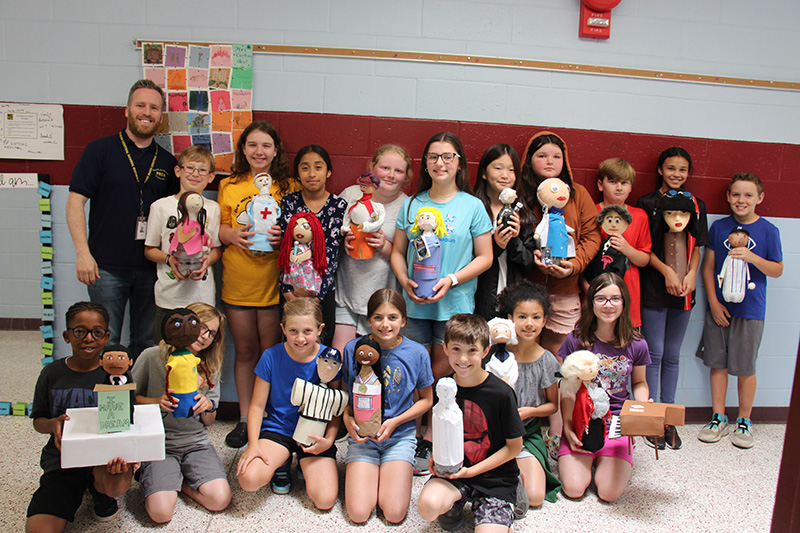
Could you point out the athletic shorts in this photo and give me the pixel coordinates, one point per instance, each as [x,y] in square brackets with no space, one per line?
[197,465]
[734,347]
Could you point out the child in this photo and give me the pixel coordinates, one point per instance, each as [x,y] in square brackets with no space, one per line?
[667,299]
[249,281]
[312,167]
[380,469]
[513,245]
[615,179]
[492,438]
[191,466]
[358,279]
[527,305]
[195,171]
[604,328]
[272,417]
[64,384]
[732,331]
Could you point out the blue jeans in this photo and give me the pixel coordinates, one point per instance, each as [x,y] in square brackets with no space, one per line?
[663,329]
[115,289]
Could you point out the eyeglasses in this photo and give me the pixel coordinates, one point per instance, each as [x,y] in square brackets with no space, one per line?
[677,192]
[80,332]
[600,301]
[205,332]
[202,172]
[447,157]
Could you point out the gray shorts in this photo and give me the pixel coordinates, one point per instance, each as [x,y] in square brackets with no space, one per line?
[348,318]
[734,348]
[487,509]
[197,464]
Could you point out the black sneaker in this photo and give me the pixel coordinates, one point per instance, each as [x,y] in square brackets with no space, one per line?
[421,458]
[238,436]
[655,442]
[105,507]
[671,437]
[454,518]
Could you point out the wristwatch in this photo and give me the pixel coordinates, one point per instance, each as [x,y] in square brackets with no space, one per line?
[454,279]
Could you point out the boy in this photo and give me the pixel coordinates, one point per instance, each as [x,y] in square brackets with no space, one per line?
[615,178]
[195,170]
[492,437]
[732,331]
[64,384]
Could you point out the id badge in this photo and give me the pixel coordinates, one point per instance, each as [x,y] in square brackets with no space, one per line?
[141,228]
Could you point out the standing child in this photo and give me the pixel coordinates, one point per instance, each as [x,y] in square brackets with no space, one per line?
[513,243]
[312,167]
[527,305]
[732,330]
[380,469]
[191,466]
[195,171]
[667,299]
[64,384]
[492,438]
[273,417]
[605,329]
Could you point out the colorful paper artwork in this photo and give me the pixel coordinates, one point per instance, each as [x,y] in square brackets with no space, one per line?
[242,56]
[240,119]
[178,122]
[240,99]
[178,102]
[220,100]
[242,78]
[221,121]
[157,76]
[176,56]
[221,142]
[199,56]
[198,101]
[164,140]
[202,140]
[180,143]
[219,78]
[197,78]
[176,79]
[221,55]
[153,54]
[199,123]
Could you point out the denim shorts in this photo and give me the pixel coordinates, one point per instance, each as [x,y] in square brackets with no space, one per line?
[395,448]
[348,318]
[424,331]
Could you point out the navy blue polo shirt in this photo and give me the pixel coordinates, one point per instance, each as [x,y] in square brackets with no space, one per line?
[104,175]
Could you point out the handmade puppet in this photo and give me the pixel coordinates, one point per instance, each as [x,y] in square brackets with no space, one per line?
[180,329]
[553,233]
[448,429]
[318,403]
[262,213]
[427,250]
[116,361]
[734,278]
[366,388]
[675,230]
[500,361]
[190,243]
[302,258]
[508,197]
[591,414]
[364,217]
[614,219]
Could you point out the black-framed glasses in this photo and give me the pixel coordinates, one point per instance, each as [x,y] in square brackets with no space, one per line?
[80,332]
[205,332]
[600,301]
[202,172]
[447,157]
[677,192]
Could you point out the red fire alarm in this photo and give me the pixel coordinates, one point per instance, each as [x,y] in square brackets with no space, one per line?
[595,21]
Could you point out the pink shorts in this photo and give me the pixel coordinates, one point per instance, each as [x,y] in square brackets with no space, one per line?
[565,310]
[613,448]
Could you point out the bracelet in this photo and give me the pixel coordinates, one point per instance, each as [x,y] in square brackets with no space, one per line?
[454,279]
[167,260]
[213,406]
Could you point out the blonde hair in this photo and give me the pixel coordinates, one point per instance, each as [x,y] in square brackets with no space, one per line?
[389,149]
[439,230]
[213,355]
[197,153]
[302,307]
[616,168]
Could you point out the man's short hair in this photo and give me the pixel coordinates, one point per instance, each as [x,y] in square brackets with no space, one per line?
[617,169]
[144,84]
[197,153]
[467,328]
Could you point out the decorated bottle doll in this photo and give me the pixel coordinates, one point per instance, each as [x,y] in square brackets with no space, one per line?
[364,217]
[500,361]
[302,258]
[553,233]
[678,219]
[508,197]
[427,250]
[614,219]
[180,329]
[318,403]
[190,242]
[367,389]
[448,429]
[591,414]
[734,278]
[262,213]
[116,361]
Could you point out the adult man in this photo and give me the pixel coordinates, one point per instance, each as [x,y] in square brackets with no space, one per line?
[122,174]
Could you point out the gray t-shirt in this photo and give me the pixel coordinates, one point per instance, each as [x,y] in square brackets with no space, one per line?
[150,375]
[533,379]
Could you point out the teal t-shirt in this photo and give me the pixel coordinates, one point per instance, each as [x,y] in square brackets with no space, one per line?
[464,218]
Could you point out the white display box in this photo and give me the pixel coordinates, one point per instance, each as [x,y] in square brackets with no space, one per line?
[83,445]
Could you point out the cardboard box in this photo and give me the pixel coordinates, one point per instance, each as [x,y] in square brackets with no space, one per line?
[648,418]
[83,445]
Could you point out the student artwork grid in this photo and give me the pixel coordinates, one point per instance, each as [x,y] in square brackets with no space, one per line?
[209,93]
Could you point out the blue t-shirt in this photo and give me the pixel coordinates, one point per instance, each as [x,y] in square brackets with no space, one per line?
[765,241]
[279,370]
[464,218]
[404,368]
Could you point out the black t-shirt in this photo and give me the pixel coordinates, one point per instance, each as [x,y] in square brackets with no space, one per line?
[105,176]
[490,419]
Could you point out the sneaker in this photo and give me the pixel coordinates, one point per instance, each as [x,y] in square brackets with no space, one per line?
[421,456]
[742,436]
[655,442]
[238,436]
[105,507]
[454,518]
[553,443]
[671,437]
[522,502]
[716,429]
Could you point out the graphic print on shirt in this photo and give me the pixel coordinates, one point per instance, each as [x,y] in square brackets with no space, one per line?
[476,433]
[391,379]
[613,374]
[63,399]
[449,225]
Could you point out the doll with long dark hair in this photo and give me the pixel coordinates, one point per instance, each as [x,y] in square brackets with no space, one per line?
[190,241]
[367,391]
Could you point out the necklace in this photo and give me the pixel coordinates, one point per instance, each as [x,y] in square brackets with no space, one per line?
[397,341]
[443,199]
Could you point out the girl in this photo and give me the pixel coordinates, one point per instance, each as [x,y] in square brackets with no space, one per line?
[357,279]
[272,417]
[250,282]
[191,465]
[512,245]
[312,167]
[527,305]
[380,470]
[604,328]
[667,299]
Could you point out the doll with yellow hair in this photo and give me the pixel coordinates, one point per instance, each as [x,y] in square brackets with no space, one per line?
[427,250]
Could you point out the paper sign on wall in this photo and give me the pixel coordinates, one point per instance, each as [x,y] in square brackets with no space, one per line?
[31,131]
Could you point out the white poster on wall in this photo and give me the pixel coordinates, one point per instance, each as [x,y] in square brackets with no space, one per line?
[31,131]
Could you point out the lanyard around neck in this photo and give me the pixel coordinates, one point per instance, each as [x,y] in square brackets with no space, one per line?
[136,172]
